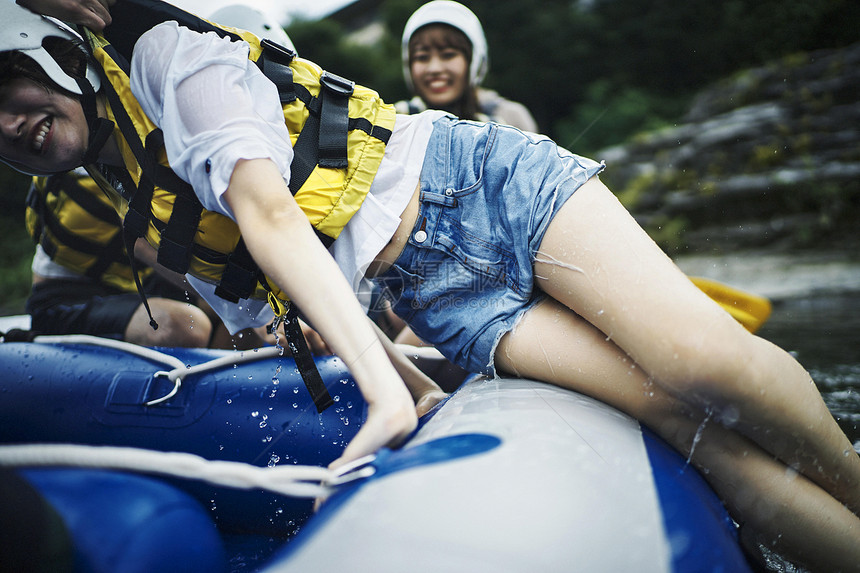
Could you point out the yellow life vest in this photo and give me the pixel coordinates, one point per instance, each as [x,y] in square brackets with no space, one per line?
[78,228]
[353,124]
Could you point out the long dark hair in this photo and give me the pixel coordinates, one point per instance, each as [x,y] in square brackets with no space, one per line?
[72,59]
[467,106]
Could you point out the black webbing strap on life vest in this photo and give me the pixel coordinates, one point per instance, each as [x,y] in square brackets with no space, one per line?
[50,232]
[323,139]
[305,361]
[36,203]
[274,62]
[136,220]
[241,275]
[324,136]
[177,238]
[240,265]
[334,120]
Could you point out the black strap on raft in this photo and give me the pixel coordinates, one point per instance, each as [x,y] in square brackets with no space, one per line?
[305,361]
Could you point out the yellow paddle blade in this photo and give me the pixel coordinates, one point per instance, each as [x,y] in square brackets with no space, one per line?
[751,310]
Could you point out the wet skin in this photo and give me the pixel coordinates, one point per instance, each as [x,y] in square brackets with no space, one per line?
[41,131]
[440,75]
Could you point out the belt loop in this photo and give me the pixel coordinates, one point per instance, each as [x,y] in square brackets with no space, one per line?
[446,200]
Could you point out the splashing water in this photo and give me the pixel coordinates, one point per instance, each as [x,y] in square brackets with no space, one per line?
[709,412]
[550,260]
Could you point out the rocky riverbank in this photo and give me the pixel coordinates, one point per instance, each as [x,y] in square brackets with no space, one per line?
[767,160]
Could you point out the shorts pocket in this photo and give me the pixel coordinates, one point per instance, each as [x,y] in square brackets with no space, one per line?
[491,265]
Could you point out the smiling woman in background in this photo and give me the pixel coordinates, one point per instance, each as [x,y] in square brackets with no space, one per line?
[445,59]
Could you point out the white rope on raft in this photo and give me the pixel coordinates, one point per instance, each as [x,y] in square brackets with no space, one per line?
[141,351]
[179,369]
[289,480]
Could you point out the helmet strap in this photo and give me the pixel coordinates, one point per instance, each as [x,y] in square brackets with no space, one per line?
[100,128]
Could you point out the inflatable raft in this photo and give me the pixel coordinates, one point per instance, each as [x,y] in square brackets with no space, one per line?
[505,475]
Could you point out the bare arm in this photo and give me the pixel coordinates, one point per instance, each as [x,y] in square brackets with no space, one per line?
[425,392]
[285,247]
[94,14]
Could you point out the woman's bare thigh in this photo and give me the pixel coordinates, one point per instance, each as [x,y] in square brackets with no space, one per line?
[596,260]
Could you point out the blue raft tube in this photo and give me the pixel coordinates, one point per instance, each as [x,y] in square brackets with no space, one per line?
[510,461]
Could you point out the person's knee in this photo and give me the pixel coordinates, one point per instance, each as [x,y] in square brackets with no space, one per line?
[715,367]
[190,328]
[179,324]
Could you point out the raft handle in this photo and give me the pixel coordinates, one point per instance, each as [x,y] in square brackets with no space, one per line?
[177,384]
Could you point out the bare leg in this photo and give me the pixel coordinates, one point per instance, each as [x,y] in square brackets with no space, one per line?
[597,261]
[179,324]
[783,510]
[242,340]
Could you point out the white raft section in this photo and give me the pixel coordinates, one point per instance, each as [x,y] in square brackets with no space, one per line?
[570,488]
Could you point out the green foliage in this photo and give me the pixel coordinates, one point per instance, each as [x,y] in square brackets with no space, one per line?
[609,115]
[668,232]
[17,247]
[628,64]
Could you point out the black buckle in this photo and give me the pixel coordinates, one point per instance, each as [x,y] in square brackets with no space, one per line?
[277,52]
[336,84]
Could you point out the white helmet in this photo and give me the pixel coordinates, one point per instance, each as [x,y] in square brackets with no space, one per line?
[24,31]
[456,15]
[253,20]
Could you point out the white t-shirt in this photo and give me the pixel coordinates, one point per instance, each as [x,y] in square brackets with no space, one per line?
[215,107]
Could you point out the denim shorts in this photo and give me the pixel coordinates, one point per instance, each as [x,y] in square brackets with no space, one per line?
[488,193]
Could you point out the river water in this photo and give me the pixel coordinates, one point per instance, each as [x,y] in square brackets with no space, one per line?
[816,316]
[823,333]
